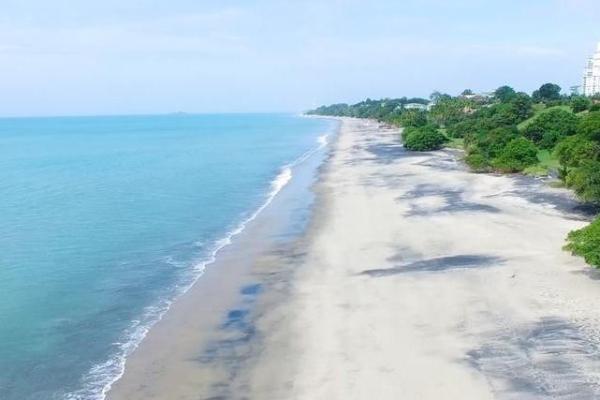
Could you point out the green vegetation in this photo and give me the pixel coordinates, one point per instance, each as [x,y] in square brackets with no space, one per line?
[548,128]
[424,138]
[547,93]
[544,134]
[585,243]
[517,155]
[580,104]
[455,143]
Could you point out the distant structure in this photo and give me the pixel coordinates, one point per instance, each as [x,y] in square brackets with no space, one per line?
[591,76]
[415,106]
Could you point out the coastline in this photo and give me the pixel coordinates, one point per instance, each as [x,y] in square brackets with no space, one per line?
[220,296]
[413,279]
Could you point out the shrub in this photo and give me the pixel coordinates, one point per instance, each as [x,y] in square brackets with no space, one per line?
[571,151]
[477,162]
[580,103]
[548,127]
[585,181]
[585,243]
[492,143]
[424,139]
[590,126]
[595,107]
[518,154]
[406,132]
[470,127]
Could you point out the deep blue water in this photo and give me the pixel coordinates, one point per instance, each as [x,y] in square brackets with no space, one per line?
[104,219]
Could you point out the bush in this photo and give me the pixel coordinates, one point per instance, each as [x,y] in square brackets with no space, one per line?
[573,150]
[406,132]
[590,126]
[550,126]
[470,127]
[424,139]
[585,181]
[585,243]
[492,143]
[580,103]
[518,154]
[595,107]
[477,162]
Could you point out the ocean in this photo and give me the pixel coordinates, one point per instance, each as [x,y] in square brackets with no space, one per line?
[105,220]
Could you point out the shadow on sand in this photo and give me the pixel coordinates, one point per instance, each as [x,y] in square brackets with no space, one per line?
[463,261]
[551,359]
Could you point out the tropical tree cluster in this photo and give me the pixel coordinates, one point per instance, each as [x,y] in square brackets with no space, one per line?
[423,138]
[385,110]
[507,131]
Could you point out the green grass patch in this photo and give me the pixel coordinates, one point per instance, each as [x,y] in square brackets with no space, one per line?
[547,159]
[547,162]
[456,143]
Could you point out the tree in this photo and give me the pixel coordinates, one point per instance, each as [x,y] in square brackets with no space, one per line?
[589,126]
[574,150]
[467,92]
[504,94]
[450,110]
[425,138]
[477,162]
[413,118]
[492,143]
[550,126]
[580,103]
[547,92]
[518,154]
[437,96]
[522,106]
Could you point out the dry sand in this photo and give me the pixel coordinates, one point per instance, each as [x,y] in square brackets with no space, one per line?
[424,281]
[416,280]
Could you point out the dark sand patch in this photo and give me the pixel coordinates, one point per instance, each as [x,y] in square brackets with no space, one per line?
[550,359]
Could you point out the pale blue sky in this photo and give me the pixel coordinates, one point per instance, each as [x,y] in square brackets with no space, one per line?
[73,57]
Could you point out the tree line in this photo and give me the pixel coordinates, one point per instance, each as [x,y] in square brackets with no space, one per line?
[507,132]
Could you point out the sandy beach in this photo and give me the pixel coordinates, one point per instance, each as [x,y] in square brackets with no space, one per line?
[415,279]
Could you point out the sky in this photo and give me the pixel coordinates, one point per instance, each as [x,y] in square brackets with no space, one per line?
[92,57]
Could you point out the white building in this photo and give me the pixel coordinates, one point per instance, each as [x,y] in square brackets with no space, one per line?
[415,106]
[591,76]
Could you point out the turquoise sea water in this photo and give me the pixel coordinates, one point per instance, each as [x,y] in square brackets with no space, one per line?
[103,220]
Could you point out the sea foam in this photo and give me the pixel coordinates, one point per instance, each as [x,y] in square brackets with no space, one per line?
[99,380]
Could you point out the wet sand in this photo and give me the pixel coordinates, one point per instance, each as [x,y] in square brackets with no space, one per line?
[414,280]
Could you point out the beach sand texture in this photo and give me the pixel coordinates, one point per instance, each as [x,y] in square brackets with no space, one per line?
[417,280]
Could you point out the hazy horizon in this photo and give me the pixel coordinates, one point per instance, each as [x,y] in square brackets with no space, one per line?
[146,57]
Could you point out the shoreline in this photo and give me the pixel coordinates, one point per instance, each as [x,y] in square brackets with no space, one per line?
[231,269]
[409,264]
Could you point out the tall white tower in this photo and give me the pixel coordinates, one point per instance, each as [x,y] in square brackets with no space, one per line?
[591,76]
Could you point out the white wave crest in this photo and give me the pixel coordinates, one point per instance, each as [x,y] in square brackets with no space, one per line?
[101,377]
